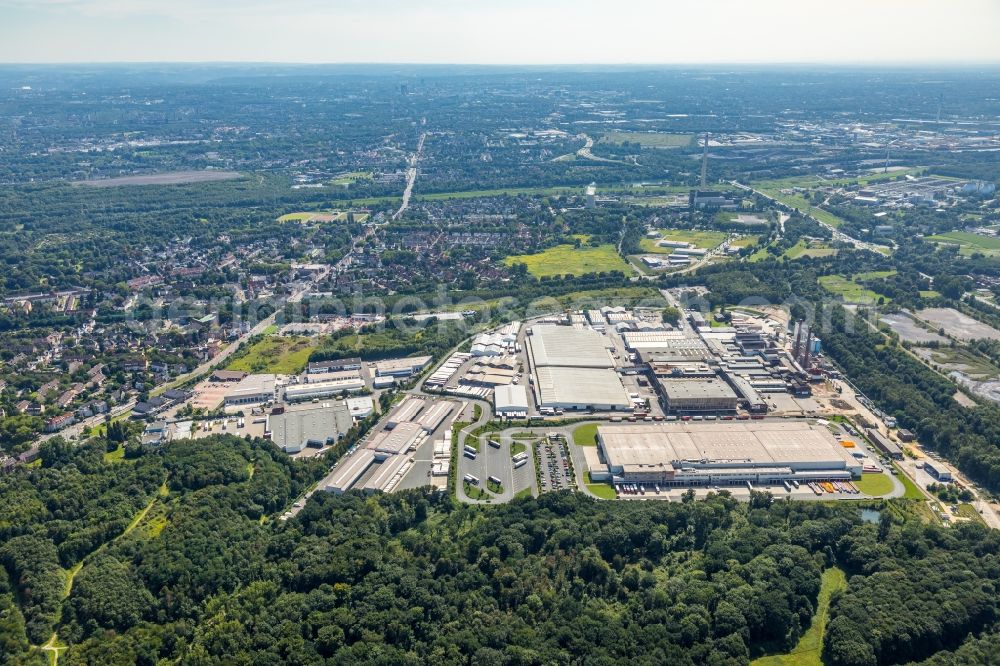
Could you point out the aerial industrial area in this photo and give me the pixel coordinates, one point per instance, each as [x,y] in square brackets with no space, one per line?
[612,401]
[499,365]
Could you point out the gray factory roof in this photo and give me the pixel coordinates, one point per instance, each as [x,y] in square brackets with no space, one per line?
[581,386]
[774,443]
[397,440]
[691,389]
[569,346]
[297,427]
[407,411]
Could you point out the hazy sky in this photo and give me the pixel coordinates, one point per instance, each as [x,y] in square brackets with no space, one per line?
[501,31]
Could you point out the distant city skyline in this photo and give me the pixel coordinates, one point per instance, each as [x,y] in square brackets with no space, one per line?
[508,32]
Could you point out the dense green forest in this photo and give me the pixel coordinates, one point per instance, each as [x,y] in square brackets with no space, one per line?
[208,576]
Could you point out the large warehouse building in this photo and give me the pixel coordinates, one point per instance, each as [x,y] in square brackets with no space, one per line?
[573,369]
[722,453]
[295,429]
[567,346]
[581,388]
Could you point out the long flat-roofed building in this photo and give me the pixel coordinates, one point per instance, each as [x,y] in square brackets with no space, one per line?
[401,367]
[581,388]
[251,390]
[568,346]
[407,411]
[349,471]
[681,396]
[395,441]
[434,416]
[386,473]
[301,392]
[339,365]
[723,453]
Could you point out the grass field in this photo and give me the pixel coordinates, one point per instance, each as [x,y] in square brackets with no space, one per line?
[851,291]
[708,240]
[650,139]
[745,241]
[602,490]
[283,356]
[803,249]
[585,435]
[969,243]
[807,652]
[912,491]
[875,485]
[296,217]
[322,216]
[569,260]
[969,511]
[518,447]
[351,177]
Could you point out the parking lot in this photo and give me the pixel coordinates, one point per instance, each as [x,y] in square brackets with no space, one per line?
[496,461]
[554,464]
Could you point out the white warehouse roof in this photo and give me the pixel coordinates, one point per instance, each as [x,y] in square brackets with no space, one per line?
[581,388]
[510,398]
[568,346]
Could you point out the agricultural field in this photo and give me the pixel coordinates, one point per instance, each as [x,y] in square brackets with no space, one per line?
[968,243]
[569,260]
[650,139]
[274,354]
[851,291]
[708,240]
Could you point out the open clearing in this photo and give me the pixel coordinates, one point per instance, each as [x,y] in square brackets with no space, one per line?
[850,291]
[969,243]
[328,216]
[909,330]
[274,354]
[649,139]
[960,360]
[958,325]
[810,249]
[351,177]
[807,651]
[569,260]
[172,178]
